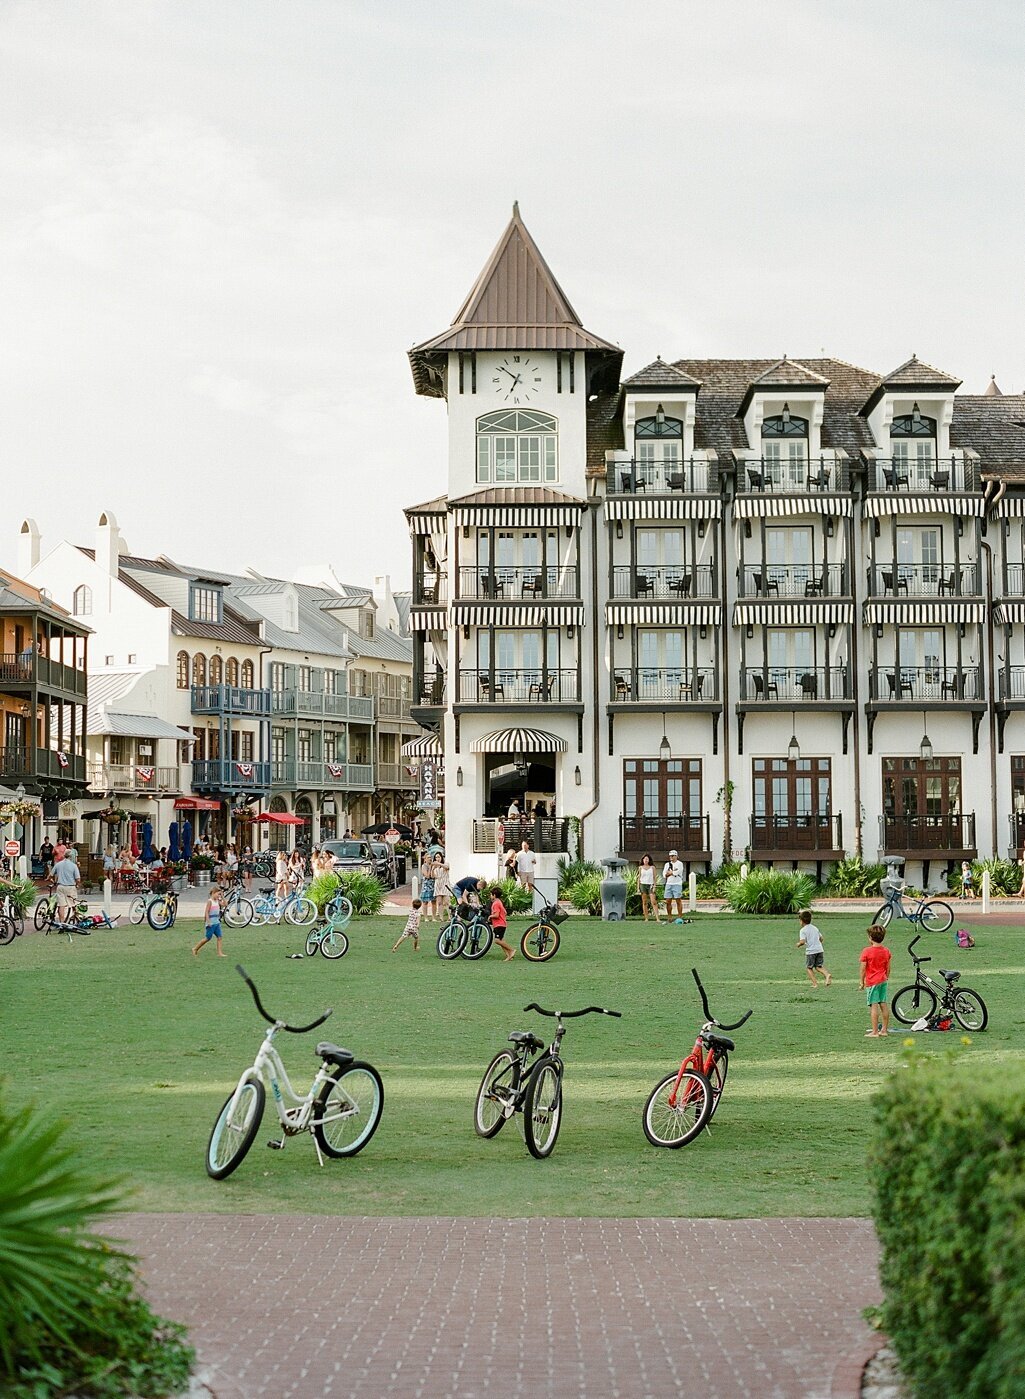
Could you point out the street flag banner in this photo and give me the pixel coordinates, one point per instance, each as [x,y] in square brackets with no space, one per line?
[336,769]
[244,769]
[145,774]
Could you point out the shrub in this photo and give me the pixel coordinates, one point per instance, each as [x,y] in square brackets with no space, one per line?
[853,879]
[364,891]
[514,896]
[770,891]
[322,889]
[572,870]
[22,891]
[72,1321]
[947,1164]
[584,892]
[713,885]
[1004,877]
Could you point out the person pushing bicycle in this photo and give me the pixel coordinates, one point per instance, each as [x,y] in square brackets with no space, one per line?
[468,891]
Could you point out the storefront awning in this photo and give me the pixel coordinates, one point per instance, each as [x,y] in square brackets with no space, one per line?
[519,741]
[426,746]
[196,804]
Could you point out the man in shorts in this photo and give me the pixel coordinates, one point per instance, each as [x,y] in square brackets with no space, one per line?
[67,877]
[467,893]
[526,864]
[672,874]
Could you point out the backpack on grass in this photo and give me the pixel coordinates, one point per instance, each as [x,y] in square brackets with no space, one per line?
[963,938]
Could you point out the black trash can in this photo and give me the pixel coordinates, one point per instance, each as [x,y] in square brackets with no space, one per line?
[400,870]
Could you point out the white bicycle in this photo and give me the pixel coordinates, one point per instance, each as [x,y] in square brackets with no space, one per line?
[341,1111]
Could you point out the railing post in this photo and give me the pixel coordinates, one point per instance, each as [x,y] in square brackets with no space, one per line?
[692,892]
[985,890]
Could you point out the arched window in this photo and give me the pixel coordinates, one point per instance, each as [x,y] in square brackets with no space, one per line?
[247,675]
[216,670]
[231,671]
[82,602]
[199,669]
[183,670]
[785,450]
[913,444]
[517,445]
[658,451]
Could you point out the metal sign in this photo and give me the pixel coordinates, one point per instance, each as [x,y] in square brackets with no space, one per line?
[12,848]
[429,783]
[392,836]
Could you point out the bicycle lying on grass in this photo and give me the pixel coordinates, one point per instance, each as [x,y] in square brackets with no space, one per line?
[684,1102]
[341,1110]
[511,1085]
[81,921]
[926,998]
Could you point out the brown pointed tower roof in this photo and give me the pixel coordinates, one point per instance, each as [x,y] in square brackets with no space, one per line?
[515,304]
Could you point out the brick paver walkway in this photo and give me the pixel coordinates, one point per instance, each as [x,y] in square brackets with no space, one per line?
[518,1308]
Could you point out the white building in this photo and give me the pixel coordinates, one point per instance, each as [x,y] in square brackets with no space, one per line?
[752,607]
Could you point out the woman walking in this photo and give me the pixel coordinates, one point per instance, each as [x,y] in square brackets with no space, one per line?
[646,885]
[427,874]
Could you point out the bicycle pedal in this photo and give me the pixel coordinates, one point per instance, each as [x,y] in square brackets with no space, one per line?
[276,1146]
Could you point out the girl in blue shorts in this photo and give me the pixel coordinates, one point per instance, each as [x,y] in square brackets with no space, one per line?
[211,925]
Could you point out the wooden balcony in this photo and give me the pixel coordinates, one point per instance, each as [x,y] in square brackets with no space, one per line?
[317,704]
[230,775]
[41,766]
[129,777]
[775,837]
[299,774]
[26,670]
[657,835]
[395,776]
[948,835]
[230,699]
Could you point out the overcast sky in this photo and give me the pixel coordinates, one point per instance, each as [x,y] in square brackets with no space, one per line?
[222,224]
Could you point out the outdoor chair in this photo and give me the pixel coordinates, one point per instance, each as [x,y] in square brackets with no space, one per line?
[764,688]
[677,481]
[644,586]
[906,687]
[682,585]
[541,689]
[489,691]
[809,686]
[622,687]
[755,479]
[951,584]
[888,584]
[533,587]
[491,586]
[940,479]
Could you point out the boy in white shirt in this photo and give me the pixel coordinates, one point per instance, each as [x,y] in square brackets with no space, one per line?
[811,941]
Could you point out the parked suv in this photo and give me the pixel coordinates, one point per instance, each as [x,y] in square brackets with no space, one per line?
[371,856]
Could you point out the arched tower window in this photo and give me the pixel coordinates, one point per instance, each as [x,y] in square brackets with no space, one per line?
[231,671]
[247,675]
[517,445]
[216,670]
[183,670]
[199,669]
[82,601]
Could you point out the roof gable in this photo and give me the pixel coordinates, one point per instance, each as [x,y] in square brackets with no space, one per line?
[915,373]
[788,373]
[659,375]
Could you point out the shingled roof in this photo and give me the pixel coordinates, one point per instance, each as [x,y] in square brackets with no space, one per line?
[993,426]
[659,375]
[789,373]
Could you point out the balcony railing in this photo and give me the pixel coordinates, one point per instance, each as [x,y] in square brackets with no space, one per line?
[1011,683]
[923,580]
[395,775]
[295,773]
[431,689]
[1014,580]
[130,777]
[793,580]
[690,477]
[679,581]
[550,835]
[657,835]
[815,834]
[430,590]
[392,707]
[34,764]
[764,476]
[230,774]
[913,684]
[30,668]
[794,684]
[515,584]
[670,686]
[950,832]
[229,699]
[519,686]
[938,474]
[318,704]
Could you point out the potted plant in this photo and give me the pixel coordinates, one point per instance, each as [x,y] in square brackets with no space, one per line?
[202,867]
[178,874]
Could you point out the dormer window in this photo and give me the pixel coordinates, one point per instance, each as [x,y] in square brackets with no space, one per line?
[517,445]
[366,629]
[658,448]
[913,446]
[785,449]
[204,604]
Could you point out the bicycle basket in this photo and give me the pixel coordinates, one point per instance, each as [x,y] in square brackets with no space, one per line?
[554,914]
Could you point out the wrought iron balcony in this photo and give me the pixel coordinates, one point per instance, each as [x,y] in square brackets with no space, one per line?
[514,584]
[766,476]
[913,684]
[691,477]
[1014,580]
[794,684]
[549,835]
[318,704]
[899,580]
[951,473]
[502,686]
[230,774]
[793,580]
[230,699]
[431,689]
[947,833]
[430,590]
[130,777]
[657,835]
[671,686]
[679,581]
[35,765]
[786,835]
[22,669]
[1011,683]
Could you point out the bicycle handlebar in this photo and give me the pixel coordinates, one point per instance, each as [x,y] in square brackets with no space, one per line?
[572,1014]
[292,1029]
[708,1014]
[917,960]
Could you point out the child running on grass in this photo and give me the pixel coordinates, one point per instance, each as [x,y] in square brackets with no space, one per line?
[412,928]
[811,941]
[211,924]
[875,972]
[499,923]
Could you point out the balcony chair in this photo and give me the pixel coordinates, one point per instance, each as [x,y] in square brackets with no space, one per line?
[644,586]
[888,584]
[809,686]
[622,687]
[489,691]
[895,477]
[755,479]
[906,687]
[820,481]
[677,480]
[682,585]
[491,586]
[951,584]
[765,584]
[816,587]
[953,687]
[533,587]
[688,691]
[541,689]
[763,688]
[940,480]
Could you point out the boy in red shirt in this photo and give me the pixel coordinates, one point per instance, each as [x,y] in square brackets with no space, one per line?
[498,918]
[875,972]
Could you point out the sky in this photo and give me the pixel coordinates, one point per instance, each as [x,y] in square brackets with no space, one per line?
[223,224]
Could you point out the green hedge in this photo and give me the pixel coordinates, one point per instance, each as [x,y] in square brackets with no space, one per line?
[948,1170]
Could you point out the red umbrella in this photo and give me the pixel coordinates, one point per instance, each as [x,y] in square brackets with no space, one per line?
[280,818]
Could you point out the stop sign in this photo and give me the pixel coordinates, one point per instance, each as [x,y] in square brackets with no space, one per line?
[12,848]
[392,836]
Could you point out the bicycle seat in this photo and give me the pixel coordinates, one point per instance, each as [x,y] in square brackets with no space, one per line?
[526,1038]
[719,1042]
[335,1055]
[950,976]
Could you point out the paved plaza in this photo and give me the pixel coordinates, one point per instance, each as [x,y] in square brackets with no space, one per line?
[365,1308]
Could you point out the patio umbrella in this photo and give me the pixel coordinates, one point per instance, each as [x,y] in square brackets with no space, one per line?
[406,832]
[281,818]
[172,840]
[147,842]
[187,840]
[133,838]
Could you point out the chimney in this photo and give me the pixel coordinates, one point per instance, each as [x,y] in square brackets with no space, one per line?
[108,543]
[28,548]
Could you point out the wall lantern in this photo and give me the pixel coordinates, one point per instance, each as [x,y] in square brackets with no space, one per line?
[785,415]
[794,748]
[916,416]
[459,777]
[660,418]
[576,776]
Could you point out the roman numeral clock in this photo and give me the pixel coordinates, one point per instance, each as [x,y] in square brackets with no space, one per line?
[516,379]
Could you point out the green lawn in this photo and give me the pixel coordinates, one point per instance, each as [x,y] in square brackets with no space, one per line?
[136,1044]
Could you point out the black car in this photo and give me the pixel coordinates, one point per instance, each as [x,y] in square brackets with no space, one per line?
[370,856]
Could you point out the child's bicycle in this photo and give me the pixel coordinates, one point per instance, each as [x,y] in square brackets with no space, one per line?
[541,940]
[157,907]
[341,1110]
[510,1085]
[931,915]
[684,1102]
[329,936]
[926,998]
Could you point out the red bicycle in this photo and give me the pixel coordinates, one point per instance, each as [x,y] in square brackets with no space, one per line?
[684,1102]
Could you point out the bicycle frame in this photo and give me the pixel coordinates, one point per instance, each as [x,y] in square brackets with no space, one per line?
[695,1060]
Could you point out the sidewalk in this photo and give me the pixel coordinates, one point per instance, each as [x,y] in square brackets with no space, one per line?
[367,1308]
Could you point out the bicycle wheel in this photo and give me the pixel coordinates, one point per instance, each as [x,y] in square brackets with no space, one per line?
[230,1140]
[301,912]
[42,914]
[238,911]
[451,940]
[348,1109]
[334,944]
[340,909]
[313,942]
[6,930]
[910,1003]
[137,909]
[160,914]
[883,915]
[717,1072]
[496,1089]
[261,912]
[540,942]
[478,942]
[542,1108]
[970,1009]
[678,1122]
[936,916]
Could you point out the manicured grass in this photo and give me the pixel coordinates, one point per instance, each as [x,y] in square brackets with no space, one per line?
[136,1043]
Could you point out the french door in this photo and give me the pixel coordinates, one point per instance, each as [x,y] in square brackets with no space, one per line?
[792,807]
[922,803]
[789,562]
[662,806]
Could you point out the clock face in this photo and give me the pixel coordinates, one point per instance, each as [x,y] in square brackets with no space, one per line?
[516,379]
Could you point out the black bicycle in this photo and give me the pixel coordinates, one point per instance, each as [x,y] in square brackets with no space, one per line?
[541,940]
[926,998]
[511,1084]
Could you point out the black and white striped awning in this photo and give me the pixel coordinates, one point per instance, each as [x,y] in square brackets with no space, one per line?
[801,612]
[434,523]
[426,746]
[750,507]
[639,507]
[923,612]
[519,741]
[1006,613]
[428,618]
[1011,507]
[506,614]
[938,503]
[519,516]
[663,614]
